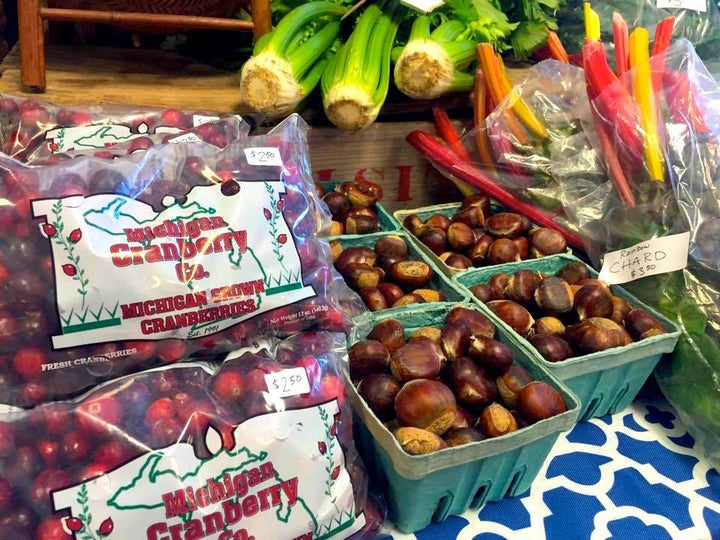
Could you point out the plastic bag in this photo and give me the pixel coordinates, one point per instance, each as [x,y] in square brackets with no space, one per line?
[260,448]
[702,28]
[37,131]
[113,266]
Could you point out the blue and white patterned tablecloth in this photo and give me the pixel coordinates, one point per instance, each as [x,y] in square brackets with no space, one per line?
[635,475]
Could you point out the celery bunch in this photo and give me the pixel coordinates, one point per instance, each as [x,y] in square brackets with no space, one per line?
[287,63]
[355,82]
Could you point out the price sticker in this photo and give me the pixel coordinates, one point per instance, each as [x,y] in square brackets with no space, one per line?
[200,119]
[288,382]
[693,5]
[186,137]
[656,256]
[263,156]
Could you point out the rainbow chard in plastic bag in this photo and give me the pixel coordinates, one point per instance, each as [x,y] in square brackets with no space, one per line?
[261,447]
[113,266]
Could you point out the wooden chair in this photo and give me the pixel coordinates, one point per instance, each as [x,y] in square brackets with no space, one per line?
[32,14]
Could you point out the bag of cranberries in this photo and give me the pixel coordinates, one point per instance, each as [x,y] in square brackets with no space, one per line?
[44,133]
[109,267]
[261,448]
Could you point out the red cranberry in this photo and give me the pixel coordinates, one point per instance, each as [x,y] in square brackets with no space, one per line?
[34,117]
[135,398]
[144,350]
[27,291]
[8,106]
[184,405]
[7,438]
[111,454]
[46,482]
[228,386]
[49,450]
[52,529]
[4,273]
[28,362]
[255,405]
[33,327]
[173,118]
[75,447]
[22,466]
[166,431]
[8,327]
[92,471]
[98,416]
[139,144]
[58,418]
[105,181]
[80,119]
[163,382]
[311,366]
[21,254]
[20,519]
[171,350]
[6,502]
[32,393]
[332,387]
[159,410]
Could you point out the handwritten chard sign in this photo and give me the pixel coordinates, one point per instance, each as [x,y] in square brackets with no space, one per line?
[268,485]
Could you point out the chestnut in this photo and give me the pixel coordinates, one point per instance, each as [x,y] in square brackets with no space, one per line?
[495,420]
[620,310]
[597,334]
[472,216]
[506,225]
[336,228]
[391,246]
[320,191]
[408,299]
[483,292]
[460,237]
[411,274]
[460,436]
[440,221]
[435,239]
[336,203]
[642,325]
[472,386]
[498,283]
[545,241]
[549,326]
[426,404]
[521,286]
[593,301]
[523,246]
[374,299]
[336,249]
[360,221]
[538,401]
[554,296]
[513,314]
[502,251]
[573,272]
[366,357]
[478,323]
[379,391]
[360,196]
[431,345]
[455,339]
[390,333]
[415,361]
[478,253]
[459,262]
[355,255]
[552,348]
[430,295]
[391,292]
[491,354]
[463,419]
[416,441]
[362,276]
[510,383]
[414,224]
[477,200]
[385,262]
[429,332]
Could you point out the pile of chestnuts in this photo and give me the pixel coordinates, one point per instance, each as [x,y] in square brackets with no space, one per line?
[567,314]
[353,208]
[443,387]
[475,237]
[384,276]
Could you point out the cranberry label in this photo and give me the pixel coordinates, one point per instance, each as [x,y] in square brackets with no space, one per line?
[96,137]
[266,486]
[123,271]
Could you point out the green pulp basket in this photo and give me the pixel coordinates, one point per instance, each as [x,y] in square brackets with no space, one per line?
[440,282]
[606,381]
[429,488]
[386,222]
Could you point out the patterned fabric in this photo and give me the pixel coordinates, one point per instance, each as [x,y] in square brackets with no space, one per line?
[635,475]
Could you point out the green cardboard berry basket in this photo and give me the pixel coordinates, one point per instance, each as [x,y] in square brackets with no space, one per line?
[606,381]
[431,487]
[386,222]
[448,210]
[440,282]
